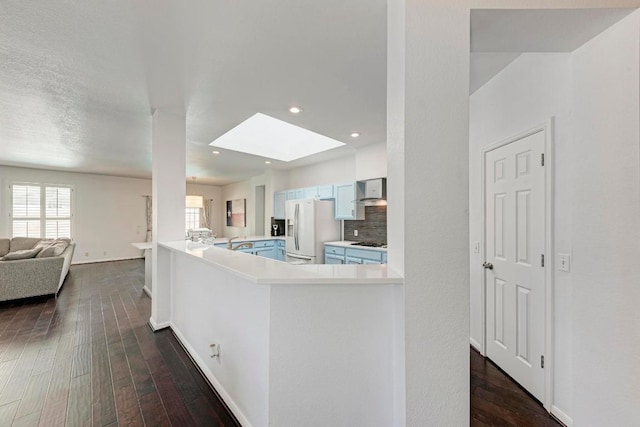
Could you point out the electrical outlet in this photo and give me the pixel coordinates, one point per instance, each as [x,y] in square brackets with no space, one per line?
[564,262]
[355,233]
[86,254]
[104,253]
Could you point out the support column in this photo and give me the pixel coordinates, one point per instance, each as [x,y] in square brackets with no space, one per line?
[168,142]
[428,137]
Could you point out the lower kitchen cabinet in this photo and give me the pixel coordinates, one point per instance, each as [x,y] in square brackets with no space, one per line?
[343,255]
[333,259]
[265,248]
[280,250]
[334,255]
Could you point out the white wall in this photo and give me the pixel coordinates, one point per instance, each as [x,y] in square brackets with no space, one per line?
[532,89]
[428,85]
[109,212]
[593,95]
[606,228]
[243,190]
[371,161]
[330,172]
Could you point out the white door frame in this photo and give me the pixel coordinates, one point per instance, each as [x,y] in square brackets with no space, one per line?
[548,128]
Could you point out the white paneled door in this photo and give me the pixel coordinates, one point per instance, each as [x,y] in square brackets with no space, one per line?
[514,252]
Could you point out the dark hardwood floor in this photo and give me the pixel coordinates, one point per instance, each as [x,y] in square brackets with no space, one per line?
[89,358]
[497,400]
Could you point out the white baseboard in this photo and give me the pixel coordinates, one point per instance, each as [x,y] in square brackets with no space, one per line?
[157,326]
[147,291]
[105,260]
[475,344]
[212,379]
[561,416]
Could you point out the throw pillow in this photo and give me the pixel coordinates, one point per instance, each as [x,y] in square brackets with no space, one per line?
[4,246]
[44,243]
[53,249]
[22,243]
[23,254]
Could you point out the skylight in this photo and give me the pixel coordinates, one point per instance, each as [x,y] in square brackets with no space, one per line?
[265,136]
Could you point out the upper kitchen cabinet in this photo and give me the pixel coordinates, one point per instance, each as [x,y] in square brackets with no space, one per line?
[348,204]
[296,194]
[279,199]
[310,192]
[325,192]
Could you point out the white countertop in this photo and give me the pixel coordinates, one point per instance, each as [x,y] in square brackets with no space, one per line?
[349,244]
[268,271]
[219,240]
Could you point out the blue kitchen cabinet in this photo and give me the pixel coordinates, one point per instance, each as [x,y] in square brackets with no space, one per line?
[279,199]
[365,256]
[334,255]
[310,192]
[325,192]
[295,194]
[265,248]
[348,205]
[280,250]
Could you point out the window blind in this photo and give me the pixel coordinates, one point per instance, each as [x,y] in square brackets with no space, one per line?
[41,211]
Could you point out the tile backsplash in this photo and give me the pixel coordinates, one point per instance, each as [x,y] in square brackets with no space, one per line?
[373,228]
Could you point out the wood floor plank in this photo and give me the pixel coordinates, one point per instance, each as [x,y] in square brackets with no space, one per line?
[34,394]
[30,420]
[54,411]
[6,369]
[497,400]
[79,407]
[8,412]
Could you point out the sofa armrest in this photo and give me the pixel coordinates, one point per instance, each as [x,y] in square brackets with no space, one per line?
[30,277]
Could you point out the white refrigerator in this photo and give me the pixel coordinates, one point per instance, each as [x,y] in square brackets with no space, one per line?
[309,223]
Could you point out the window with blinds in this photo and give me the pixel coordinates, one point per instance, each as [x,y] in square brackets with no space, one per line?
[192,218]
[41,211]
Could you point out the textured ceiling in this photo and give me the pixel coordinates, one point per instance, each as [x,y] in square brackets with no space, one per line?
[79,79]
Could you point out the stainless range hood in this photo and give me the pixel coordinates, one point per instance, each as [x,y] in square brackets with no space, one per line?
[375,190]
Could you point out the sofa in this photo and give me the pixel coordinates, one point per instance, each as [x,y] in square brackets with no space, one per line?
[32,267]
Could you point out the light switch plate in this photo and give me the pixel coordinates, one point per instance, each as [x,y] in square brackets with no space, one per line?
[476,247]
[564,262]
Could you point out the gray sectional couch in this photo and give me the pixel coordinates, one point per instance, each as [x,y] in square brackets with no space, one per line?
[41,274]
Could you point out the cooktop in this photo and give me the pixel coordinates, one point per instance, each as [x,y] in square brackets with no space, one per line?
[371,244]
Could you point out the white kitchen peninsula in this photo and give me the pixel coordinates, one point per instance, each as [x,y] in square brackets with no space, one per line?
[300,345]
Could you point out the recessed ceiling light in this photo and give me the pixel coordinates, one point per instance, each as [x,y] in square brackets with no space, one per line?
[355,134]
[215,152]
[270,138]
[267,162]
[295,110]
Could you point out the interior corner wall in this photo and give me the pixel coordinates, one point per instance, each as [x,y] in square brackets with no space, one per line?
[533,88]
[109,211]
[242,190]
[606,228]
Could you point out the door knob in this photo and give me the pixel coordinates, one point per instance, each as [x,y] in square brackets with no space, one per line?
[488,265]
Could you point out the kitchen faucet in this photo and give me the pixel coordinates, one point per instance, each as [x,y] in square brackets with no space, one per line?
[229,244]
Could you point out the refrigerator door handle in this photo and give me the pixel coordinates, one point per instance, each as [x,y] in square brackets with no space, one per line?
[298,256]
[296,225]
